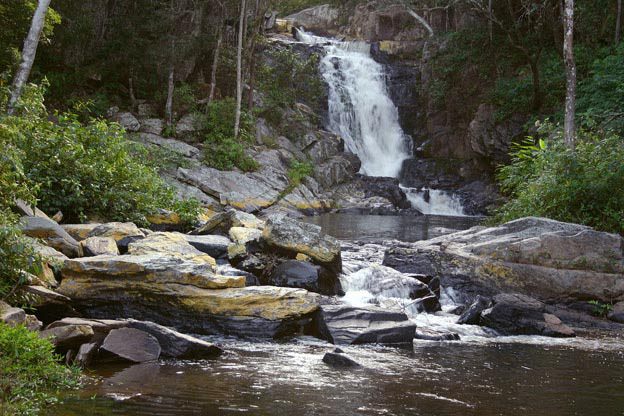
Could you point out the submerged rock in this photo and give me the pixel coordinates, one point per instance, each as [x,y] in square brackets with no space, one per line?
[344,324]
[338,360]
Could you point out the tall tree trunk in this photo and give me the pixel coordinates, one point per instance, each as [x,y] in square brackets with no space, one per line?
[133,101]
[28,53]
[239,70]
[215,65]
[618,22]
[169,104]
[570,64]
[252,55]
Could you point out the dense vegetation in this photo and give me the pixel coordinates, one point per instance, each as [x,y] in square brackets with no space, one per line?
[30,373]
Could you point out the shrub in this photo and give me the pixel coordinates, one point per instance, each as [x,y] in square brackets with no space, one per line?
[581,186]
[83,169]
[30,375]
[298,171]
[222,151]
[18,257]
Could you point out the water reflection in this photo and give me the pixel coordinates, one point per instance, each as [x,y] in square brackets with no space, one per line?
[402,228]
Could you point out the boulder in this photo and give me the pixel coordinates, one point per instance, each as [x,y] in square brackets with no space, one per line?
[344,324]
[152,126]
[617,313]
[129,344]
[304,275]
[170,245]
[337,169]
[214,245]
[123,233]
[339,360]
[50,305]
[32,323]
[52,234]
[385,281]
[165,220]
[187,124]
[472,315]
[86,354]
[11,315]
[175,344]
[516,314]
[23,208]
[79,231]
[127,120]
[172,145]
[549,260]
[68,337]
[244,236]
[292,237]
[222,222]
[321,19]
[146,272]
[96,246]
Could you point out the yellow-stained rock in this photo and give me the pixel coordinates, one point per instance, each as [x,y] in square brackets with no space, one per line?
[164,217]
[225,220]
[302,257]
[79,231]
[117,230]
[242,235]
[96,246]
[171,245]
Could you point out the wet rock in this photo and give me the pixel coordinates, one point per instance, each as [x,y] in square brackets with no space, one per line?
[385,281]
[11,315]
[52,234]
[175,344]
[429,304]
[339,360]
[131,344]
[343,324]
[127,120]
[617,314]
[304,275]
[430,335]
[515,314]
[68,337]
[213,245]
[222,222]
[546,259]
[79,231]
[292,237]
[472,315]
[95,246]
[386,188]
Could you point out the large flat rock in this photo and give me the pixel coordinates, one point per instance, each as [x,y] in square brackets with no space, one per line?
[52,234]
[549,260]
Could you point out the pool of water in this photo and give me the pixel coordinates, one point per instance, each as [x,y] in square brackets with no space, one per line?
[400,227]
[497,378]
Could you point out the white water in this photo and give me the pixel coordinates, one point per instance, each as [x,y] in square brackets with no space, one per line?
[434,202]
[360,108]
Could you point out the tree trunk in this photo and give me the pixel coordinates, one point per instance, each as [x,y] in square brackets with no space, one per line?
[133,101]
[618,22]
[239,70]
[490,23]
[215,65]
[28,53]
[169,105]
[570,64]
[421,20]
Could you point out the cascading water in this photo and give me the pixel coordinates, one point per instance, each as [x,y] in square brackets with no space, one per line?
[360,109]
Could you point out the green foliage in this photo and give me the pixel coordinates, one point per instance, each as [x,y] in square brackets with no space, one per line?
[83,169]
[30,375]
[600,309]
[297,172]
[222,151]
[15,17]
[601,95]
[18,257]
[573,186]
[286,78]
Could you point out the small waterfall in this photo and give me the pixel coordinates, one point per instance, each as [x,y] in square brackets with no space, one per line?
[434,202]
[360,109]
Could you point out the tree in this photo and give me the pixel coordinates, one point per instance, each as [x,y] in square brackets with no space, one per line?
[239,68]
[28,53]
[570,64]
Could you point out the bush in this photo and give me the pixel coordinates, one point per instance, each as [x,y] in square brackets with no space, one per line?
[222,151]
[30,375]
[298,171]
[581,186]
[82,169]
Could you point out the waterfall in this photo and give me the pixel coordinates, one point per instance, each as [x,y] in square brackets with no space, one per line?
[363,114]
[360,109]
